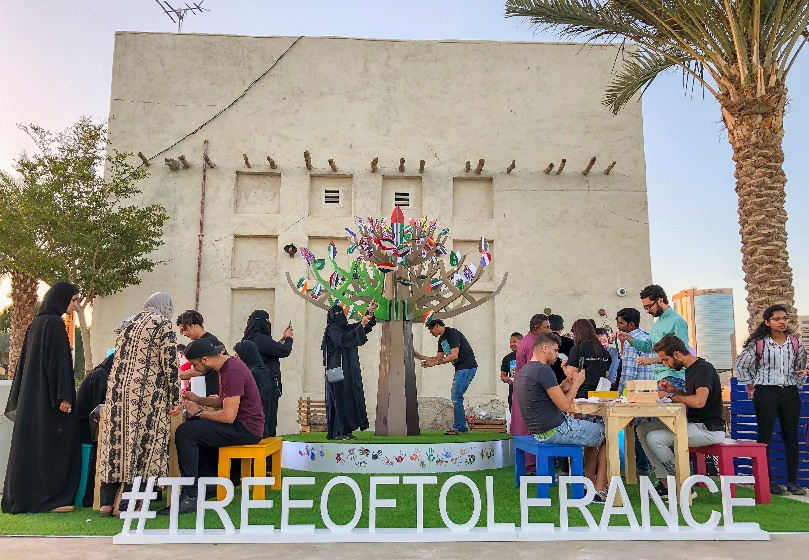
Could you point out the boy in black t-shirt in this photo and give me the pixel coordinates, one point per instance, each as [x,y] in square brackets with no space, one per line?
[190,325]
[702,396]
[453,347]
[509,365]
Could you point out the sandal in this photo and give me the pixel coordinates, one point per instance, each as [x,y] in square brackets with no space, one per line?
[63,509]
[107,513]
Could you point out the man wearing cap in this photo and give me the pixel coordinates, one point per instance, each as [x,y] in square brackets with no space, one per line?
[455,349]
[236,418]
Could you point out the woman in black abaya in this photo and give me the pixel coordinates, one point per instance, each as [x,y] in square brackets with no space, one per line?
[247,352]
[345,400]
[44,465]
[258,331]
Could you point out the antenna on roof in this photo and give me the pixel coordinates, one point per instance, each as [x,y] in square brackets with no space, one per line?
[177,15]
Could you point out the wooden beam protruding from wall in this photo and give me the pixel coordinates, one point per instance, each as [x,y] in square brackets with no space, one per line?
[272,163]
[590,165]
[333,165]
[479,167]
[609,168]
[375,165]
[173,164]
[246,161]
[185,163]
[511,167]
[548,169]
[144,159]
[208,161]
[561,166]
[401,165]
[307,157]
[422,163]
[468,166]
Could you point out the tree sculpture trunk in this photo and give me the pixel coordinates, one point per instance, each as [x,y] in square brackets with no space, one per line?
[24,300]
[756,130]
[397,411]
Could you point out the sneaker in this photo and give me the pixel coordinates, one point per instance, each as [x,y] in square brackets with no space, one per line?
[341,438]
[600,497]
[187,505]
[663,492]
[351,436]
[796,489]
[777,489]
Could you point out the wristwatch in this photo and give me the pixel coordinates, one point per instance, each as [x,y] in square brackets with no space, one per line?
[197,414]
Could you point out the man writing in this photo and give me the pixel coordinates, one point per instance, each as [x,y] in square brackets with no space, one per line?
[702,397]
[455,349]
[237,418]
[544,404]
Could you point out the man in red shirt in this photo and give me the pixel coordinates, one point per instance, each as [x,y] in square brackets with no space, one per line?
[236,418]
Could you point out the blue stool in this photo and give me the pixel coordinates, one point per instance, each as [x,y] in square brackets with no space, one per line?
[545,454]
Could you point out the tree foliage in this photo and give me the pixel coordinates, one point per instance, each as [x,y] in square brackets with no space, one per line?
[65,217]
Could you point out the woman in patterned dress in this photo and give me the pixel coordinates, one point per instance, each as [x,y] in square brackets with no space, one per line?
[142,390]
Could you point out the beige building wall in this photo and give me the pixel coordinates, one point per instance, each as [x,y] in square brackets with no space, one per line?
[568,241]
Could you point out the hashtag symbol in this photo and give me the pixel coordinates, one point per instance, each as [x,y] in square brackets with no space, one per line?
[146,496]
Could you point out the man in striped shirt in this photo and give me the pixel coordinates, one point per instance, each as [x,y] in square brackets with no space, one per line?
[627,321]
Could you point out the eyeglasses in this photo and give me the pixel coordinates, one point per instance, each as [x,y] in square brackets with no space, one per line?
[648,307]
[780,319]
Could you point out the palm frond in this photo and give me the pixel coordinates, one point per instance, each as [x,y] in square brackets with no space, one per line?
[639,71]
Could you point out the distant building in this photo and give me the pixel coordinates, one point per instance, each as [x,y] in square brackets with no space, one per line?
[711,327]
[803,329]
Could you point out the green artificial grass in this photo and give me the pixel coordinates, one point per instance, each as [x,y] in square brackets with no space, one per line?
[783,515]
[424,437]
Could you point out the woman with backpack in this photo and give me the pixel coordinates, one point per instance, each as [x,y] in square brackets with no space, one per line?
[772,367]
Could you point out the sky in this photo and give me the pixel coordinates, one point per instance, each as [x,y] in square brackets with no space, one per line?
[56,58]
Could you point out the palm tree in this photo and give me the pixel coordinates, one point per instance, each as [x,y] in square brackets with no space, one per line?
[741,52]
[24,302]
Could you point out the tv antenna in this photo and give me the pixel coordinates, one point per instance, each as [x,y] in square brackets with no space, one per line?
[177,15]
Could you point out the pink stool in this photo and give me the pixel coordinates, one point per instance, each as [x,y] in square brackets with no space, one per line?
[726,452]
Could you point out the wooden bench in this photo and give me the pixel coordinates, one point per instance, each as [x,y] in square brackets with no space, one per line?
[495,425]
[311,415]
[257,453]
[726,452]
[546,466]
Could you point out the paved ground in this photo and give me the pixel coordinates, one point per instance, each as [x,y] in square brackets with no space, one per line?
[780,547]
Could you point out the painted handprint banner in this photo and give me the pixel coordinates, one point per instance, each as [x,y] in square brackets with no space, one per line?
[398,458]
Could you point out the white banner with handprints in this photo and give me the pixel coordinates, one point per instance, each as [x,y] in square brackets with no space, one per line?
[397,458]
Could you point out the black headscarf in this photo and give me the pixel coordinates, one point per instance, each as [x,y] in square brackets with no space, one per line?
[248,353]
[57,299]
[257,323]
[336,327]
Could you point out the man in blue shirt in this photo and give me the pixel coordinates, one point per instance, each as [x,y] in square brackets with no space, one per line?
[656,303]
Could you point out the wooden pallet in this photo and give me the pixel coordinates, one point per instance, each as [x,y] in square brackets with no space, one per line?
[311,415]
[477,425]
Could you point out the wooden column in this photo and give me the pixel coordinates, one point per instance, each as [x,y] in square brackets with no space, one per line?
[397,400]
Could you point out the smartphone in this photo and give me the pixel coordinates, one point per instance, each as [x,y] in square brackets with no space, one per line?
[289,326]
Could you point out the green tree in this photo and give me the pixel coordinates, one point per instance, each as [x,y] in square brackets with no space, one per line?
[72,197]
[741,52]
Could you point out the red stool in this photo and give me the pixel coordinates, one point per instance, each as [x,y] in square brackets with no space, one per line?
[726,452]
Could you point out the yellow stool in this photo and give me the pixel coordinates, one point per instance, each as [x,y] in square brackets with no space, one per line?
[258,453]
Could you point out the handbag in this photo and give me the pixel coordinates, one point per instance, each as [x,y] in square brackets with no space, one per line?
[334,375]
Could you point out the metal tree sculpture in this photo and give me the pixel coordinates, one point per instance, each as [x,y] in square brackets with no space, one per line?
[401,267]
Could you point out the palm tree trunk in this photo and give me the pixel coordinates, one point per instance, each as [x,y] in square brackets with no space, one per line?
[23,301]
[756,131]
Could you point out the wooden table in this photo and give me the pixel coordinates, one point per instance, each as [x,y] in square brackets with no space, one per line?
[620,416]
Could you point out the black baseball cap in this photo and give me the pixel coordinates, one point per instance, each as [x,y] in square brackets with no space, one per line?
[435,322]
[200,348]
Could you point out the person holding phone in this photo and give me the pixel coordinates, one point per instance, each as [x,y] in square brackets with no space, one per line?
[259,332]
[345,398]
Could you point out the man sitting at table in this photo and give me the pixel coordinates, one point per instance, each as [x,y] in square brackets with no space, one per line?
[544,404]
[702,396]
[237,417]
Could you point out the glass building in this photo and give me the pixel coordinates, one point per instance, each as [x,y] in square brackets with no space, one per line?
[711,326]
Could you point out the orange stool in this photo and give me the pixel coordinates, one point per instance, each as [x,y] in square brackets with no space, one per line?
[257,453]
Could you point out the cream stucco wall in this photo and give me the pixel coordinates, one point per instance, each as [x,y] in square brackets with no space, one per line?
[568,241]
